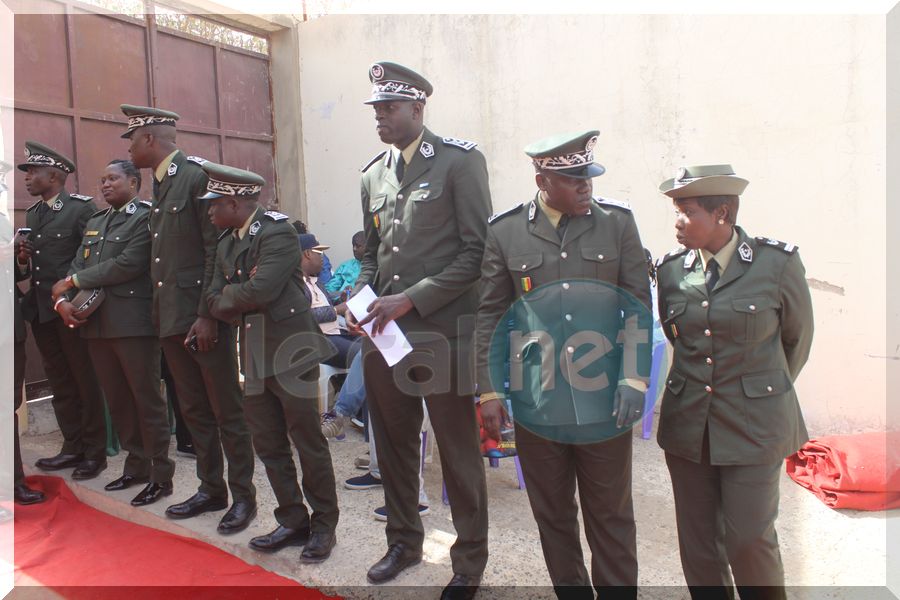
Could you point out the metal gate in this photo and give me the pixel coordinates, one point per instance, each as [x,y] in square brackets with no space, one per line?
[74,68]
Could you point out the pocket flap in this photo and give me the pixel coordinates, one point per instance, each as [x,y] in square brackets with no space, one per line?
[752,305]
[287,309]
[524,262]
[189,278]
[376,202]
[674,310]
[425,194]
[768,383]
[675,382]
[599,254]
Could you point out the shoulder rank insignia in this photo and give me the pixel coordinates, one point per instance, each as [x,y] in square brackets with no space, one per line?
[670,255]
[497,216]
[131,208]
[276,216]
[464,144]
[80,197]
[611,202]
[745,252]
[146,203]
[197,160]
[254,228]
[221,235]
[57,206]
[172,170]
[783,246]
[426,150]
[33,206]
[374,160]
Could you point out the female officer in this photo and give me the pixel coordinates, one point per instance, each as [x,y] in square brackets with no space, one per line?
[738,312]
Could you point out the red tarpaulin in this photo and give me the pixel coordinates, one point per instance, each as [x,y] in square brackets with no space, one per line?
[859,471]
[84,553]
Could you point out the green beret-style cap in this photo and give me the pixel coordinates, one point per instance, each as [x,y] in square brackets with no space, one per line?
[230,181]
[392,82]
[570,154]
[139,116]
[39,155]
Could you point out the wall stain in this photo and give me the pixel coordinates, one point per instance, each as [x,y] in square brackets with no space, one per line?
[818,284]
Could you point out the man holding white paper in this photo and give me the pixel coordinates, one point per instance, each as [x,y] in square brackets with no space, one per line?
[425,206]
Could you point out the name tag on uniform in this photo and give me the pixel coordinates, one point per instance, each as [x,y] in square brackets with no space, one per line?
[91,233]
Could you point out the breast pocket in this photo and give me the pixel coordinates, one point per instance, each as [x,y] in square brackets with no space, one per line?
[524,270]
[174,217]
[429,208]
[755,318]
[89,249]
[376,209]
[600,263]
[671,321]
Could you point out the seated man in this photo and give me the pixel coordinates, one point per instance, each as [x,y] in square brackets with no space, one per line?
[344,279]
[325,314]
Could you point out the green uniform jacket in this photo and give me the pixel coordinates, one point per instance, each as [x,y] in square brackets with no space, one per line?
[183,251]
[56,237]
[557,281]
[115,256]
[737,353]
[425,237]
[271,300]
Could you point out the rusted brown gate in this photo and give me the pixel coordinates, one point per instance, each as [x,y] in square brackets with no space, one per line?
[74,68]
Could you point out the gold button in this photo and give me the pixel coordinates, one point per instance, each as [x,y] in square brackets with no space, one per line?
[707,332]
[705,303]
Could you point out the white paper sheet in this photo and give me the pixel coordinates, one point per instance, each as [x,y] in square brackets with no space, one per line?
[391,342]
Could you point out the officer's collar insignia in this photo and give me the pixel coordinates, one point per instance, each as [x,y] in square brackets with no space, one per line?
[173,168]
[424,184]
[276,216]
[745,252]
[532,211]
[254,228]
[689,259]
[57,206]
[427,150]
[131,208]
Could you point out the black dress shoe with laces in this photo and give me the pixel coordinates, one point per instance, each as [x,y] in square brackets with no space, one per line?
[281,537]
[197,504]
[398,558]
[60,461]
[461,587]
[237,518]
[23,494]
[88,469]
[151,493]
[123,483]
[318,548]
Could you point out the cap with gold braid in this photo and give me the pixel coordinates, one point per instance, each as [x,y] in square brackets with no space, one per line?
[230,181]
[392,82]
[140,116]
[704,180]
[569,154]
[39,155]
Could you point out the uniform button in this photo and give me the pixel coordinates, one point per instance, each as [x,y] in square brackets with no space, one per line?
[159,284]
[396,221]
[39,236]
[37,268]
[101,237]
[199,282]
[399,196]
[707,332]
[708,360]
[247,326]
[600,256]
[37,251]
[708,389]
[37,283]
[131,292]
[769,388]
[156,210]
[564,254]
[568,317]
[669,382]
[570,349]
[705,303]
[292,311]
[156,259]
[117,238]
[518,355]
[396,278]
[395,249]
[156,235]
[524,267]
[566,286]
[752,307]
[238,271]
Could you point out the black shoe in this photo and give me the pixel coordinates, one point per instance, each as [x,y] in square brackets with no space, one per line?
[318,548]
[237,518]
[25,495]
[88,469]
[461,587]
[197,504]
[60,461]
[123,483]
[186,451]
[151,493]
[398,557]
[282,537]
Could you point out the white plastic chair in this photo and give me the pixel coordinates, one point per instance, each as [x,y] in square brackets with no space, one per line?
[326,372]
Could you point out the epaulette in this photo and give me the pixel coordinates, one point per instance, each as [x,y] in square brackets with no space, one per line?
[464,144]
[610,202]
[787,247]
[679,251]
[33,206]
[81,197]
[497,216]
[199,160]
[276,216]
[373,161]
[102,211]
[146,203]
[224,233]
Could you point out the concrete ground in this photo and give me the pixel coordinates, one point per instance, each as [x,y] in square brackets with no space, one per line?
[827,554]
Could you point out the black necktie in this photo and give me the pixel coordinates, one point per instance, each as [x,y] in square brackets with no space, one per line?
[401,168]
[155,189]
[562,225]
[712,275]
[42,210]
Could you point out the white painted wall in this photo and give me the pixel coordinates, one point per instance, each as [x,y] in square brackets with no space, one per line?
[795,103]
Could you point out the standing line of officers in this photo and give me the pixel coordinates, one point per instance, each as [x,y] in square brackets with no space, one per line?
[204,262]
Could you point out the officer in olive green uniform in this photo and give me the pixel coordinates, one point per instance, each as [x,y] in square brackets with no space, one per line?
[182,258]
[559,272]
[115,256]
[259,283]
[57,222]
[740,321]
[425,205]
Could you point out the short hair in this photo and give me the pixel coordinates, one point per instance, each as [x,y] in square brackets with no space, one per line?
[129,169]
[711,203]
[358,238]
[300,227]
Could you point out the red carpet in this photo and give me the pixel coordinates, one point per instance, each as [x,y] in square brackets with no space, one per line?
[78,551]
[859,471]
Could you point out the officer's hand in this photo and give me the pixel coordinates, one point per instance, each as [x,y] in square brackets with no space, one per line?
[66,310]
[24,250]
[384,310]
[207,332]
[628,405]
[493,415]
[61,287]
